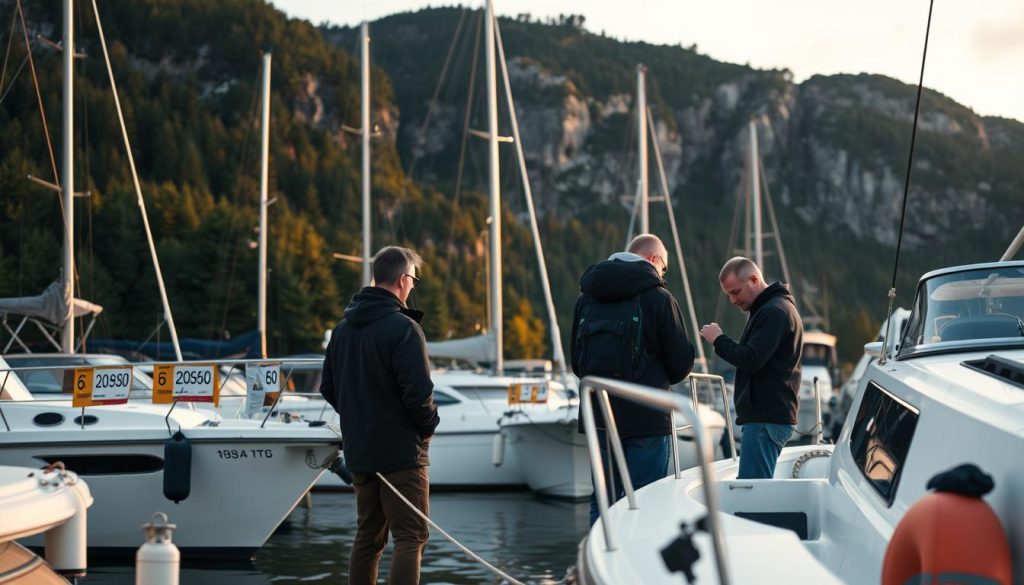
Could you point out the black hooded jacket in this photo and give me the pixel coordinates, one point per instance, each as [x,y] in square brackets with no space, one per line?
[767,359]
[669,351]
[377,376]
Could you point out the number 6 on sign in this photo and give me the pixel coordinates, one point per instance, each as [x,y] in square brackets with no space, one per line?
[187,383]
[101,385]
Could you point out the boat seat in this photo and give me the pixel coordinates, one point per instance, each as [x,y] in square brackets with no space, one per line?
[985,327]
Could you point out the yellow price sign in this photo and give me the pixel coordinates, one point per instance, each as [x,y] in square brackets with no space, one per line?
[528,393]
[186,382]
[101,385]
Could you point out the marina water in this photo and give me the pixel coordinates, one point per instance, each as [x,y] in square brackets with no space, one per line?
[532,539]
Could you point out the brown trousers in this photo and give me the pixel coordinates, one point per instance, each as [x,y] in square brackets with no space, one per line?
[379,511]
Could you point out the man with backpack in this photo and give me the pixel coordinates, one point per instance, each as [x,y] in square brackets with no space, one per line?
[628,326]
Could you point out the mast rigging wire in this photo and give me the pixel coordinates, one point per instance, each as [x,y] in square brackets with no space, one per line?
[168,317]
[906,182]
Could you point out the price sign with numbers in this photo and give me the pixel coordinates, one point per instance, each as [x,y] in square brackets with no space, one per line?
[528,393]
[186,382]
[101,385]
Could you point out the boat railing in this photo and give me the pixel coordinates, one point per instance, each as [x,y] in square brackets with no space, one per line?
[234,367]
[693,379]
[668,402]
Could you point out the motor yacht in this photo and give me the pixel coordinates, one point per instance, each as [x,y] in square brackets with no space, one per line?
[950,395]
[241,478]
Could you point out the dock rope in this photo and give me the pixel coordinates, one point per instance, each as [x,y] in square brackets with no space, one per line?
[450,538]
[807,457]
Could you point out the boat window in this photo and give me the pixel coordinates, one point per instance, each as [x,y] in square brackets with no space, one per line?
[484,392]
[983,306]
[881,438]
[302,379]
[816,354]
[11,387]
[108,464]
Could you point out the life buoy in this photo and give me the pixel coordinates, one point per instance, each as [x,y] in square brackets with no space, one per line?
[948,538]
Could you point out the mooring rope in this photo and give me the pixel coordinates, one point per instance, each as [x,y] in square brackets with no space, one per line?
[450,538]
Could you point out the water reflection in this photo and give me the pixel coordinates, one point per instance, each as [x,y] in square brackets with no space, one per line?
[533,540]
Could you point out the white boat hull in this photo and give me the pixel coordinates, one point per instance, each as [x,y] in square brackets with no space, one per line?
[552,453]
[459,460]
[552,456]
[244,479]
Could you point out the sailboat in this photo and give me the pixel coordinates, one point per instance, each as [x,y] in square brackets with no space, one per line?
[469,402]
[242,477]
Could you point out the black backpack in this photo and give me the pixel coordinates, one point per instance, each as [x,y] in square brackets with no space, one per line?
[610,340]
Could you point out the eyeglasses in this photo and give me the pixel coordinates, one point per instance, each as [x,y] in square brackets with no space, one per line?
[415,281]
[664,264]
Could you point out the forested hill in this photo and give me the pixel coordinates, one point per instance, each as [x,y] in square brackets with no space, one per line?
[187,72]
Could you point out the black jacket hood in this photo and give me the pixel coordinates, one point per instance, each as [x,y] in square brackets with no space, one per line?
[776,289]
[615,280]
[373,303]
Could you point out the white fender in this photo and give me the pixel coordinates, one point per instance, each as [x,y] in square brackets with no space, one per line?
[498,449]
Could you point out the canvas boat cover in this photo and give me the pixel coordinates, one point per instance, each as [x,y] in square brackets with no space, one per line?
[50,306]
[477,349]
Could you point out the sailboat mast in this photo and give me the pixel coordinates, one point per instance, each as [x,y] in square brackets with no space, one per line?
[261,310]
[366,131]
[755,194]
[68,177]
[556,332]
[495,193]
[641,124]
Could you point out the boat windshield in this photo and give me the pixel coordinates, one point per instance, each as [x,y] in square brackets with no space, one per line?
[972,309]
[816,354]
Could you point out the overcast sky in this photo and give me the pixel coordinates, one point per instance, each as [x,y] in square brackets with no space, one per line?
[975,55]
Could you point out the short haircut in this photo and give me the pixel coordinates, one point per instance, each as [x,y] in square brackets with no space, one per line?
[391,262]
[646,245]
[741,267]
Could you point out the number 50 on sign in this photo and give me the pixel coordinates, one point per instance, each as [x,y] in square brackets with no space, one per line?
[187,383]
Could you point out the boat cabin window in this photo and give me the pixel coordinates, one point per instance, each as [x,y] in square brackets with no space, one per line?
[482,392]
[881,438]
[816,354]
[979,307]
[11,387]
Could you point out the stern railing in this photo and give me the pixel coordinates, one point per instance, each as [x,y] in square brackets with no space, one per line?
[673,404]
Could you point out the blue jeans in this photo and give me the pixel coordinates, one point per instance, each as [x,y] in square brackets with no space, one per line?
[646,460]
[760,448]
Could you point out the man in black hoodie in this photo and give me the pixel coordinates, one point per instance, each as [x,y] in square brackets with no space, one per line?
[377,377]
[625,299]
[767,360]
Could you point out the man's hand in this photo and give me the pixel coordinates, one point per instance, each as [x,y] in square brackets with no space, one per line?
[710,332]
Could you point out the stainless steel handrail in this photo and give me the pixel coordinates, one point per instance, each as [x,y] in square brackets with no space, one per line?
[660,400]
[693,377]
[819,424]
[288,363]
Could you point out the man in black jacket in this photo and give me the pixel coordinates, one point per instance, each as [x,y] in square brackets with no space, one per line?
[628,326]
[377,377]
[767,360]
